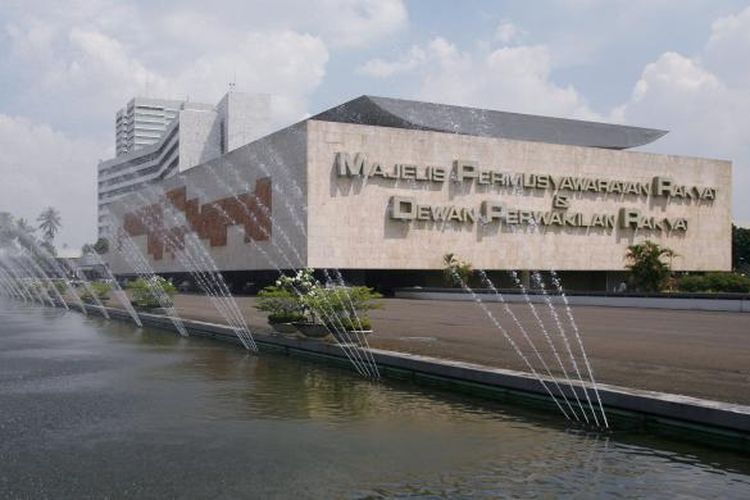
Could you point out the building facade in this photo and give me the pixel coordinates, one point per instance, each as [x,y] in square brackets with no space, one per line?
[383,188]
[143,121]
[157,138]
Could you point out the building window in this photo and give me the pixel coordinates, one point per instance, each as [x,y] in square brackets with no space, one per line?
[223,137]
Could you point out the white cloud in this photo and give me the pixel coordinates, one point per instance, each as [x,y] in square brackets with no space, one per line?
[338,23]
[102,52]
[74,64]
[95,68]
[516,78]
[286,64]
[356,23]
[507,32]
[380,68]
[42,167]
[703,101]
[100,66]
[728,48]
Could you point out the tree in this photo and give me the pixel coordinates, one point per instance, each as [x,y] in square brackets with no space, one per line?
[649,272]
[740,248]
[7,233]
[49,223]
[23,227]
[101,246]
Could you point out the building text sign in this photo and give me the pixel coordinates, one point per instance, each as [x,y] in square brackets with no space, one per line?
[407,208]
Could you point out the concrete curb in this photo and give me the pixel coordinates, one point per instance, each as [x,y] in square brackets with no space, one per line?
[674,303]
[709,422]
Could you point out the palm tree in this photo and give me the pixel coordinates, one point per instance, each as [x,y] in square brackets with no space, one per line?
[649,272]
[49,223]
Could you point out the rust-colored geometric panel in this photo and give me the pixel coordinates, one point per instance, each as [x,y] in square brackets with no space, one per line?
[209,221]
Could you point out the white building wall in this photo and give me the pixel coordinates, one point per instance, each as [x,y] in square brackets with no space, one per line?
[245,118]
[350,227]
[280,156]
[143,128]
[322,220]
[143,122]
[199,137]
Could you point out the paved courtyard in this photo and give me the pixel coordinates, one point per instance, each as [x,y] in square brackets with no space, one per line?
[702,354]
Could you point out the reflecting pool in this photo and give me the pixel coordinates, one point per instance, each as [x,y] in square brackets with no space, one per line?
[90,408]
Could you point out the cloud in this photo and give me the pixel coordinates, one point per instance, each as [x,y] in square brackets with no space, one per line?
[338,23]
[704,100]
[726,52]
[507,32]
[286,64]
[102,52]
[71,66]
[356,23]
[90,74]
[380,68]
[101,67]
[516,78]
[42,167]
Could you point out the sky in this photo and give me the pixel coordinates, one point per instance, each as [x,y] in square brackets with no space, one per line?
[67,66]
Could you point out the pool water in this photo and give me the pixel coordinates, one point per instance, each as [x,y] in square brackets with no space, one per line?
[92,409]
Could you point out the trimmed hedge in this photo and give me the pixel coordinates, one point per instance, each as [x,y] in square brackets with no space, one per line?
[715,282]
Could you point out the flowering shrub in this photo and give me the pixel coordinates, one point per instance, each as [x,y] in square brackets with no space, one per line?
[144,293]
[303,298]
[456,272]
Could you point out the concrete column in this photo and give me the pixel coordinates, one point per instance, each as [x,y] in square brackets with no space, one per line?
[526,279]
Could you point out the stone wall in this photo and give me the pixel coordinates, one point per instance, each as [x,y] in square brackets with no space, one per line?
[229,202]
[350,224]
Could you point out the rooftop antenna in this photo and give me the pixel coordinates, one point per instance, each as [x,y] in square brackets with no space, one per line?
[233,83]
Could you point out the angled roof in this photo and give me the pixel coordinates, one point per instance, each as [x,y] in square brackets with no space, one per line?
[417,115]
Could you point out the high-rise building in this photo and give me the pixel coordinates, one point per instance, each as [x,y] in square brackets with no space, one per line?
[156,138]
[143,122]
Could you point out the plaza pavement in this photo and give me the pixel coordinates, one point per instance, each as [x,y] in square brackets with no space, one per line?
[696,353]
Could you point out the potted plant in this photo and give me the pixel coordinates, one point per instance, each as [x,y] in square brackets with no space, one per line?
[61,287]
[283,305]
[341,310]
[347,311]
[320,310]
[145,293]
[284,322]
[100,290]
[303,287]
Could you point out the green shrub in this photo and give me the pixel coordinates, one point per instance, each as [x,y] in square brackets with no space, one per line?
[100,289]
[279,302]
[285,317]
[715,282]
[145,293]
[350,323]
[302,298]
[341,305]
